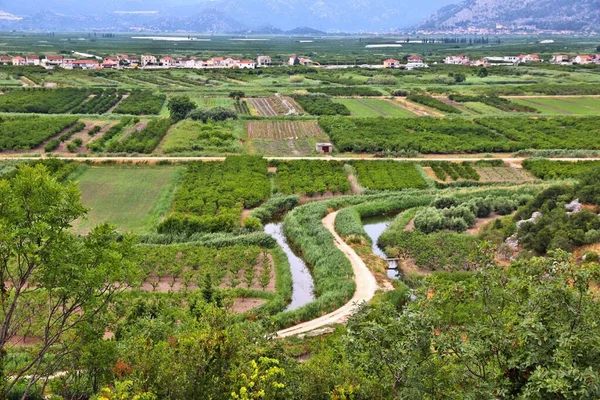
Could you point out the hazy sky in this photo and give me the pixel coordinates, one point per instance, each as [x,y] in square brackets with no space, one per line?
[321,14]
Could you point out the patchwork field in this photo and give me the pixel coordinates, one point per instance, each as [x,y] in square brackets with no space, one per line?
[284,137]
[374,108]
[563,105]
[131,198]
[274,106]
[196,136]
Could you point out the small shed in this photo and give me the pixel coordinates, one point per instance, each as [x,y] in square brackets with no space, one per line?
[324,148]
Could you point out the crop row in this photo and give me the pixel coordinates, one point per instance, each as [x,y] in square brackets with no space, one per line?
[346,91]
[494,101]
[388,175]
[115,130]
[141,103]
[212,195]
[455,171]
[99,104]
[144,140]
[42,101]
[430,135]
[27,132]
[283,129]
[311,177]
[546,169]
[185,264]
[317,104]
[433,103]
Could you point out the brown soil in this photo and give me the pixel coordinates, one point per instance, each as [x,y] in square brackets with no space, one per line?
[244,305]
[22,341]
[354,185]
[481,222]
[110,110]
[409,267]
[410,226]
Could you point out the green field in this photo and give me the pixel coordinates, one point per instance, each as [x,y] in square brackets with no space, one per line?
[374,108]
[563,105]
[131,198]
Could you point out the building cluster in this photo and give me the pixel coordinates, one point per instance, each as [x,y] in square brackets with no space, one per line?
[126,61]
[564,59]
[412,62]
[584,59]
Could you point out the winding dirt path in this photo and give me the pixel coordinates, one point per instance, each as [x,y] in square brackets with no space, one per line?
[366,286]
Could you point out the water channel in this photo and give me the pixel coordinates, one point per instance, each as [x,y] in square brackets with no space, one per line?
[302,292]
[375,227]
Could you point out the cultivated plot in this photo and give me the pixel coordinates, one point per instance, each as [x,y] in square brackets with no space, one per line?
[284,137]
[563,105]
[374,108]
[131,198]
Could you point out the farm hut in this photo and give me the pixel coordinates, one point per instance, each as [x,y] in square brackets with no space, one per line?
[324,147]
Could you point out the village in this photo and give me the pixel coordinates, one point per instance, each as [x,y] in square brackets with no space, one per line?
[124,61]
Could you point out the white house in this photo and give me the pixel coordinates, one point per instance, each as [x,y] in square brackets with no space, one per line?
[167,61]
[583,59]
[460,59]
[527,58]
[414,59]
[263,61]
[18,61]
[391,63]
[85,64]
[53,60]
[32,60]
[560,59]
[247,64]
[149,60]
[67,63]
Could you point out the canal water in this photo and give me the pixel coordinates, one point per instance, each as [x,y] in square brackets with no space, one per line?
[303,284]
[375,227]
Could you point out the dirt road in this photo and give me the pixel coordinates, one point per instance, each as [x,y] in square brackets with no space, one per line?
[366,286]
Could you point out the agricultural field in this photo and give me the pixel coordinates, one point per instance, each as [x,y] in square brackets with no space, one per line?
[131,198]
[213,195]
[548,169]
[311,177]
[504,174]
[185,266]
[274,106]
[448,171]
[284,137]
[205,138]
[388,175]
[458,135]
[374,108]
[141,103]
[43,101]
[211,102]
[28,132]
[562,105]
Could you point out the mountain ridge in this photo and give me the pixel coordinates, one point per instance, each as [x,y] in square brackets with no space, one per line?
[577,15]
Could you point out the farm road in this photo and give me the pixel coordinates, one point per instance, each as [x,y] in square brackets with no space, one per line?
[433,157]
[366,286]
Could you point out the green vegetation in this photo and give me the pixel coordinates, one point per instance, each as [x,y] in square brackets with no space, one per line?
[433,103]
[131,198]
[346,91]
[141,102]
[212,196]
[115,130]
[144,140]
[196,136]
[388,175]
[454,171]
[494,101]
[429,135]
[547,169]
[42,101]
[374,108]
[102,101]
[562,105]
[311,177]
[317,104]
[23,133]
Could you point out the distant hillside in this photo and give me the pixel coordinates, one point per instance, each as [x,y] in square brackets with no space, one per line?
[575,15]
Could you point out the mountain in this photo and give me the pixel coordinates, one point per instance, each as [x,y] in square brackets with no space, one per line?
[577,15]
[222,15]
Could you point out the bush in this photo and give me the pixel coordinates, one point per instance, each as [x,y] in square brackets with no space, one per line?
[320,105]
[445,202]
[433,103]
[52,145]
[213,114]
[429,220]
